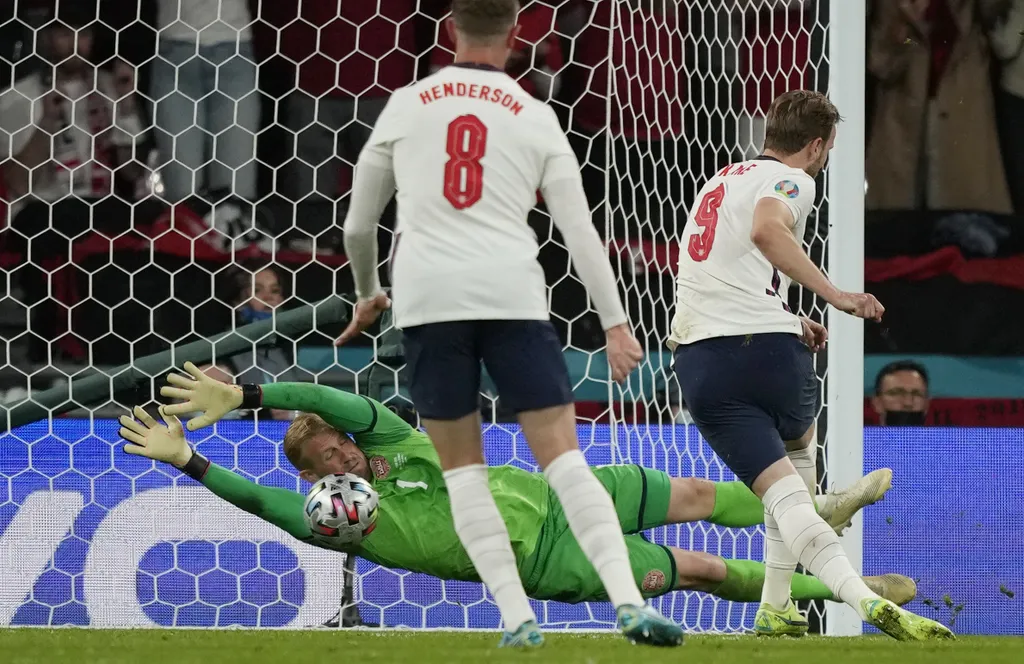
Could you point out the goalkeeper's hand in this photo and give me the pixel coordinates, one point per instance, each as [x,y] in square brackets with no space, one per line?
[150,439]
[199,392]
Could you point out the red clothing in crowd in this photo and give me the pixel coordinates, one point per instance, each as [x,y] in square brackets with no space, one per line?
[774,54]
[536,29]
[350,49]
[647,56]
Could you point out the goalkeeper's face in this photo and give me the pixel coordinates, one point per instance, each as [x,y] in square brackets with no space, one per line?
[329,453]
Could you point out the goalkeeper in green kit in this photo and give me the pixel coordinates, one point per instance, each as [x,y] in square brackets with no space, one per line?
[339,432]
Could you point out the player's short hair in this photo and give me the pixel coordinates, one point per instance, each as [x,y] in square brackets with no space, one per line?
[798,117]
[898,366]
[304,427]
[484,19]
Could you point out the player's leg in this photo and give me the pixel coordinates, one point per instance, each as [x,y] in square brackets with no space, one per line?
[734,505]
[524,358]
[739,390]
[742,580]
[444,368]
[790,513]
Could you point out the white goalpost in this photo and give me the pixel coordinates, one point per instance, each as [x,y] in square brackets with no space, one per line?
[655,95]
[845,384]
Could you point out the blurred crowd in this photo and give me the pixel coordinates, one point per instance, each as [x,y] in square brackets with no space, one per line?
[113,113]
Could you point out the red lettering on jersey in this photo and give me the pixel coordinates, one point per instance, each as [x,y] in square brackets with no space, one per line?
[736,169]
[474,91]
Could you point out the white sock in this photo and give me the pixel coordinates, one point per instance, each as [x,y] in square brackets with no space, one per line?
[482,531]
[806,462]
[591,515]
[779,561]
[815,545]
[779,566]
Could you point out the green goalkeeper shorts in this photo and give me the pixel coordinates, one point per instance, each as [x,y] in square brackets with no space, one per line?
[559,570]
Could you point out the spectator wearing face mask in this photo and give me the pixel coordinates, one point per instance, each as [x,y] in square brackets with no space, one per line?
[901,394]
[259,294]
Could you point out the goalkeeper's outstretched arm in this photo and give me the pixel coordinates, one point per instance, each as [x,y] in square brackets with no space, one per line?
[366,420]
[148,438]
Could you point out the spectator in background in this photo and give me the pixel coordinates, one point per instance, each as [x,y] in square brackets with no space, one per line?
[933,143]
[537,58]
[774,38]
[62,134]
[206,101]
[352,56]
[68,136]
[1005,19]
[259,293]
[901,394]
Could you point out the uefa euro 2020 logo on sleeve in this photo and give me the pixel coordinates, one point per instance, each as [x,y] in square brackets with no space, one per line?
[787,188]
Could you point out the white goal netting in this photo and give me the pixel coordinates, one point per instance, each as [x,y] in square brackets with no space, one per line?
[174,169]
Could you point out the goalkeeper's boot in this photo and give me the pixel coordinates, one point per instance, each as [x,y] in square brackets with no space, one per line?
[642,624]
[840,506]
[528,636]
[896,588]
[770,621]
[901,624]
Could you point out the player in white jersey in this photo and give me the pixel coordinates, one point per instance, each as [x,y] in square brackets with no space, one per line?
[744,360]
[468,151]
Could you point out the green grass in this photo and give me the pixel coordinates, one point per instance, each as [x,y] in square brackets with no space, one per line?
[153,646]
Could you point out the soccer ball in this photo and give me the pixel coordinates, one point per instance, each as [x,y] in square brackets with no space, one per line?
[341,510]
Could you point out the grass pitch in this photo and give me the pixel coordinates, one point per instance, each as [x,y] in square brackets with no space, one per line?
[154,646]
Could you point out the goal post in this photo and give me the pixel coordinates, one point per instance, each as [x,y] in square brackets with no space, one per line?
[845,384]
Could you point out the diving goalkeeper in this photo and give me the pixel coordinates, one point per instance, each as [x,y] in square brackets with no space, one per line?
[339,432]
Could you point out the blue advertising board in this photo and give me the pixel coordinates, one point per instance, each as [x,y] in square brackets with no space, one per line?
[92,536]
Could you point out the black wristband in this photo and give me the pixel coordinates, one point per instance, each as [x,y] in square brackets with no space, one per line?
[252,396]
[196,467]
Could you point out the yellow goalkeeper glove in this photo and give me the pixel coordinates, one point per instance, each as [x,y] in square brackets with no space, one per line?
[146,437]
[212,398]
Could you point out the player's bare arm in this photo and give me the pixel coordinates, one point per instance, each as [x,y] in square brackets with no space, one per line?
[772,234]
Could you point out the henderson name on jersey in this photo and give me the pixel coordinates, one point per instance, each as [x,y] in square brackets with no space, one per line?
[725,286]
[469,149]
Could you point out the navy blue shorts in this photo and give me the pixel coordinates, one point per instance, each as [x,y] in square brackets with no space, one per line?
[523,358]
[749,394]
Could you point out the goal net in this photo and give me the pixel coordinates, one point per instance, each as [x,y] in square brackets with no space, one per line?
[170,171]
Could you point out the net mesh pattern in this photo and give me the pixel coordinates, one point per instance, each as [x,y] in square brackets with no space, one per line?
[178,169]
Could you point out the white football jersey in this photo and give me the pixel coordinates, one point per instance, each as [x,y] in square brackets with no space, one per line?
[725,285]
[470,150]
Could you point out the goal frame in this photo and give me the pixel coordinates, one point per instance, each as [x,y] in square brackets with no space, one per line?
[845,381]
